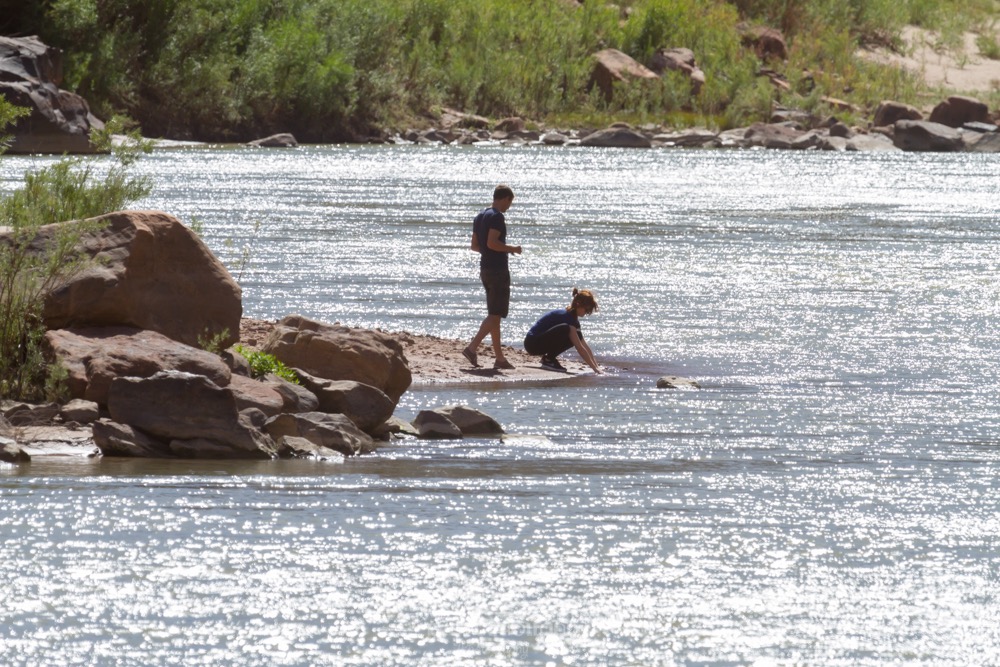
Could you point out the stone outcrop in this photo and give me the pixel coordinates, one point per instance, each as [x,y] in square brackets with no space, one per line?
[149,272]
[95,357]
[335,432]
[958,110]
[335,352]
[925,136]
[60,121]
[366,406]
[197,417]
[888,112]
[612,67]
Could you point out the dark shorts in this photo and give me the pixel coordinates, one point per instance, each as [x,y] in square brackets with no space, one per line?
[497,286]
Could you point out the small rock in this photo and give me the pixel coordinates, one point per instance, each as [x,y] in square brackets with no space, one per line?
[431,425]
[675,382]
[11,453]
[294,447]
[470,421]
[80,411]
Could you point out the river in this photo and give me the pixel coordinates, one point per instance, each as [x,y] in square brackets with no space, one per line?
[828,497]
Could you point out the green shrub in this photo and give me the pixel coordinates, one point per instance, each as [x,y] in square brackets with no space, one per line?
[262,363]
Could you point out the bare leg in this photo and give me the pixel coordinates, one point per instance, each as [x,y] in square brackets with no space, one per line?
[489,327]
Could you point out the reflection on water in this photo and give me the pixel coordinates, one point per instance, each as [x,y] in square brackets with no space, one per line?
[827,497]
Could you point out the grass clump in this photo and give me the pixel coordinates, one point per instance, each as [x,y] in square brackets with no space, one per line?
[35,259]
[262,364]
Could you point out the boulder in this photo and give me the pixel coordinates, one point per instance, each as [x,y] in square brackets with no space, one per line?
[958,110]
[766,42]
[772,135]
[921,135]
[283,140]
[678,60]
[617,137]
[176,406]
[149,272]
[292,447]
[296,397]
[433,425]
[367,406]
[889,112]
[337,352]
[612,67]
[251,393]
[60,121]
[95,357]
[80,411]
[335,432]
[10,452]
[114,439]
[469,420]
[395,426]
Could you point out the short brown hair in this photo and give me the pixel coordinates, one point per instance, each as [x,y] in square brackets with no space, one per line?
[502,192]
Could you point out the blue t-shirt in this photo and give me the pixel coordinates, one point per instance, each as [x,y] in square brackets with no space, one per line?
[490,218]
[552,319]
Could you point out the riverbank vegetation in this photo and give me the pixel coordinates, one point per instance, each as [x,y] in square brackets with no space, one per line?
[341,69]
[33,264]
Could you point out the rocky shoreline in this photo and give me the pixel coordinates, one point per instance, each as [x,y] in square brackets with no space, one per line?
[129,331]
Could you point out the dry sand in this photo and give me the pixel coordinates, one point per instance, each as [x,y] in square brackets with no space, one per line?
[436,360]
[964,70]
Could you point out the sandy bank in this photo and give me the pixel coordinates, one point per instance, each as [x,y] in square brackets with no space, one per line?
[436,360]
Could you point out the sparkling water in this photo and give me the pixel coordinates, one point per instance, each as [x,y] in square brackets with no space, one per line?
[828,496]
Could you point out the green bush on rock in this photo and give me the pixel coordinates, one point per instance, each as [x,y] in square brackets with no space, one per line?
[31,267]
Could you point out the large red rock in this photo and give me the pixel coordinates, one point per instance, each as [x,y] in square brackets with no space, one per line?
[60,121]
[150,272]
[612,67]
[95,357]
[337,352]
